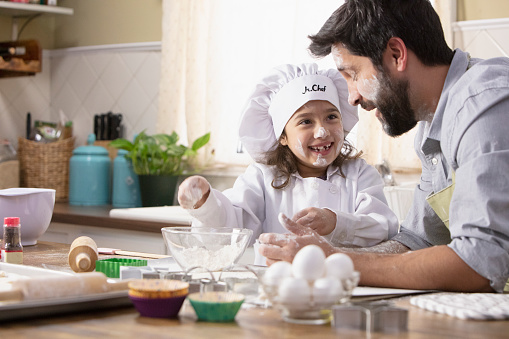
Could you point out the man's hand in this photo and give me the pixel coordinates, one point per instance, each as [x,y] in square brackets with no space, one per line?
[432,268]
[193,192]
[283,247]
[321,220]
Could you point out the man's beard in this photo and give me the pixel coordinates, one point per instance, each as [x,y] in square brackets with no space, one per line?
[393,103]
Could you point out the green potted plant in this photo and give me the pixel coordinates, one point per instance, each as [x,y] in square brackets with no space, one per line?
[159,160]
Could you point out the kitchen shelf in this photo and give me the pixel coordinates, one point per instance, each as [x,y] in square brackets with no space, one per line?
[29,63]
[16,9]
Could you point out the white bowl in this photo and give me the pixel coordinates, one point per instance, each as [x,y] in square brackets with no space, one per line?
[33,206]
[207,248]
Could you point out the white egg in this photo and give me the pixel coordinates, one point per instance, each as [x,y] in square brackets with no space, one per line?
[277,272]
[327,290]
[294,290]
[309,263]
[339,265]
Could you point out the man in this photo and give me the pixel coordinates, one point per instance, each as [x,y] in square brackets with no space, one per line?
[396,62]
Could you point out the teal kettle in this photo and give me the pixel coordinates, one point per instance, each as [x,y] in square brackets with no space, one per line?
[90,175]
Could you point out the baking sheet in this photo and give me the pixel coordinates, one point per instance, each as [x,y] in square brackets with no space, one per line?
[29,271]
[36,308]
[10,310]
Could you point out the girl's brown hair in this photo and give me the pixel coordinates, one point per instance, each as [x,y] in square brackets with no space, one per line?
[285,161]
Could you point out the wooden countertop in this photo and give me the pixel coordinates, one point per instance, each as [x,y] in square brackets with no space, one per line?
[250,323]
[99,216]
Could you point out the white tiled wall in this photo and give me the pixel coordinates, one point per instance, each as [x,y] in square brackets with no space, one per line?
[483,38]
[86,81]
[20,95]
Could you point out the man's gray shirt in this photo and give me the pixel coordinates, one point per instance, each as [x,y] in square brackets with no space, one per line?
[469,134]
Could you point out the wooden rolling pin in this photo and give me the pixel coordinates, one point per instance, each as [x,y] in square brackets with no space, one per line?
[61,286]
[83,254]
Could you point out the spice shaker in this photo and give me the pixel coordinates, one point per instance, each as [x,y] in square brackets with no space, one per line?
[12,250]
[83,254]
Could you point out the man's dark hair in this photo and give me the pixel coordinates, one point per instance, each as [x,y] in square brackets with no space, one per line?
[365,27]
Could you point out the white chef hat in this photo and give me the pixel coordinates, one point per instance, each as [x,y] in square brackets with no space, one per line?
[280,94]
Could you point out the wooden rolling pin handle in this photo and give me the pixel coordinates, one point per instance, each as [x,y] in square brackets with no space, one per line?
[83,262]
[83,254]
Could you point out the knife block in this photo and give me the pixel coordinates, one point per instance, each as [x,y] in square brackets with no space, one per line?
[112,151]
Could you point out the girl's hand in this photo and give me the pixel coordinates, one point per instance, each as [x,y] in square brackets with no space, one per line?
[193,192]
[321,220]
[283,247]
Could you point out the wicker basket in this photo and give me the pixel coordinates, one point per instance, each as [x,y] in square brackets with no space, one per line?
[46,165]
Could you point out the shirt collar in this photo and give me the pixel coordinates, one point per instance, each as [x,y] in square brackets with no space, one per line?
[457,68]
[330,171]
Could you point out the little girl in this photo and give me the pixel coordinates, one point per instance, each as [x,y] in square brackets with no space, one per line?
[294,127]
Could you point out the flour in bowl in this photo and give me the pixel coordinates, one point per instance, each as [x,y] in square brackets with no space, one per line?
[211,260]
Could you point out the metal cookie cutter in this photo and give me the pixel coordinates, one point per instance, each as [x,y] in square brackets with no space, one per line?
[370,317]
[201,285]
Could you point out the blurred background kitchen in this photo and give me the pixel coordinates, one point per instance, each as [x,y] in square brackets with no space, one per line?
[202,59]
[188,66]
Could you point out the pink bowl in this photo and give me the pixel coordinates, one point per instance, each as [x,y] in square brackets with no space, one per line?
[158,307]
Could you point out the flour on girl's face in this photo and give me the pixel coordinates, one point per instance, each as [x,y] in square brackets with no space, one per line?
[340,137]
[320,161]
[321,133]
[300,148]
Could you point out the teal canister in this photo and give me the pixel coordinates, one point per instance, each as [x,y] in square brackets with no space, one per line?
[89,175]
[126,186]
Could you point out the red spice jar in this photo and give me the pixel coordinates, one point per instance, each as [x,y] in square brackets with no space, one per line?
[12,250]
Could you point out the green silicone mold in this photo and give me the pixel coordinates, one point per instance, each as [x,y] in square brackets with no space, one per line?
[111,266]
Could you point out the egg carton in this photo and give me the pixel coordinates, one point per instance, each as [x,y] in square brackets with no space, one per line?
[370,317]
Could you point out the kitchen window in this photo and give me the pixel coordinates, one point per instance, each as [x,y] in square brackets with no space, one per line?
[214,53]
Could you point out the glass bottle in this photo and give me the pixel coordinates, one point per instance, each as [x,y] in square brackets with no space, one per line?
[12,250]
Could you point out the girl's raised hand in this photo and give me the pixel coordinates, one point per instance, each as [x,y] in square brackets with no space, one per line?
[193,192]
[321,220]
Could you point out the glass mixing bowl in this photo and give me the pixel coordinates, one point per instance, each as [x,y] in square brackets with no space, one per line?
[207,248]
[309,312]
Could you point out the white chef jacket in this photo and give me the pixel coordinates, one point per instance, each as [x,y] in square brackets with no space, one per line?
[363,216]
